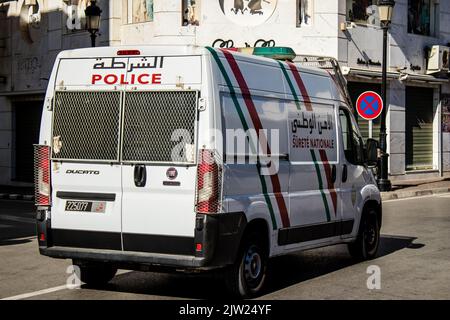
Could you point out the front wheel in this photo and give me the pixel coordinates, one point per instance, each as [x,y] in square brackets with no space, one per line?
[95,274]
[246,277]
[366,245]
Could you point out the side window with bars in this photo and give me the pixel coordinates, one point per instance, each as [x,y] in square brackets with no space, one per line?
[154,126]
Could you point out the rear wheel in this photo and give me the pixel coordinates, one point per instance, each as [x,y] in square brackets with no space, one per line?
[366,245]
[246,277]
[95,274]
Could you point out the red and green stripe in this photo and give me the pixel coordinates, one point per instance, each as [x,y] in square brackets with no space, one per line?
[322,153]
[260,134]
[301,85]
[330,183]
[291,86]
[319,177]
[245,127]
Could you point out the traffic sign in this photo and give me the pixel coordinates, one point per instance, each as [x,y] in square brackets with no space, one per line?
[369,105]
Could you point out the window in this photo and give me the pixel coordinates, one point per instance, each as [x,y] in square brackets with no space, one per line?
[351,139]
[363,11]
[190,11]
[139,11]
[304,12]
[422,17]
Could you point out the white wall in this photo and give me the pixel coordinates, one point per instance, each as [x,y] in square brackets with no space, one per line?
[320,38]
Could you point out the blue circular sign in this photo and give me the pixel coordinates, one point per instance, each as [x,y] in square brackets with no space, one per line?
[369,105]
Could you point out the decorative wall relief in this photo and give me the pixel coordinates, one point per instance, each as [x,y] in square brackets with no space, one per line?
[248,12]
[29,18]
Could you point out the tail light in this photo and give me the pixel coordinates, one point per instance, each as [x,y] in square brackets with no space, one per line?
[208,183]
[42,175]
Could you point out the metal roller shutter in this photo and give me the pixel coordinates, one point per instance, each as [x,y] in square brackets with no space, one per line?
[419,128]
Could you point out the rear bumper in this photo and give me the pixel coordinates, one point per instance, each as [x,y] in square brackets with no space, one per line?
[218,235]
[124,257]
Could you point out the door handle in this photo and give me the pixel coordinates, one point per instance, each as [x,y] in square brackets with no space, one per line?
[140,175]
[344,173]
[333,173]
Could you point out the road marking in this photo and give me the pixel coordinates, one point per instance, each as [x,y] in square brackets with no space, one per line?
[54,289]
[445,195]
[38,293]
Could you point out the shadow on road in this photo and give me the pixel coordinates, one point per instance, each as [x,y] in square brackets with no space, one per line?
[16,222]
[284,271]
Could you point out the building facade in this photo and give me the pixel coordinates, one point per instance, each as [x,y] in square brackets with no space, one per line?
[33,32]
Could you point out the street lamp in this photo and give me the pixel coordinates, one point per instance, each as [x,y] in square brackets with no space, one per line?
[386,8]
[92,13]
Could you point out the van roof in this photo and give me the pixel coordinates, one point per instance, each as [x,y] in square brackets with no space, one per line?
[172,50]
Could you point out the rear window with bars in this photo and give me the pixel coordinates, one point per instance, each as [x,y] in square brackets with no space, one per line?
[155,126]
[86,125]
[159,126]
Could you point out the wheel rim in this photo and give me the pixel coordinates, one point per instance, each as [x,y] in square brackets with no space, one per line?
[253,265]
[371,234]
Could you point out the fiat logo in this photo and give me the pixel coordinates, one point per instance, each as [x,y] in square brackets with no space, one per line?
[172,173]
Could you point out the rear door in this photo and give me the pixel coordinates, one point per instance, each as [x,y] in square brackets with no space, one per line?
[159,156]
[159,172]
[85,173]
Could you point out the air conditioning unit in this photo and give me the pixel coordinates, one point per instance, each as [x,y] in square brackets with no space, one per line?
[438,60]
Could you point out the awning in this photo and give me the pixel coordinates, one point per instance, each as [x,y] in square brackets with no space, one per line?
[367,73]
[405,77]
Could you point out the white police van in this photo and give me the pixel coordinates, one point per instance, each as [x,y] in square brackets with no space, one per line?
[191,159]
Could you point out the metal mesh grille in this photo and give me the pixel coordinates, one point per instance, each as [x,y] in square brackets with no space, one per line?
[42,175]
[86,125]
[159,126]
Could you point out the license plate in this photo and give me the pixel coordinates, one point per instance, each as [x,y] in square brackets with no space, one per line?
[86,206]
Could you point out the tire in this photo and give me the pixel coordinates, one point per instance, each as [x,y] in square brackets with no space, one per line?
[247,276]
[368,240]
[96,274]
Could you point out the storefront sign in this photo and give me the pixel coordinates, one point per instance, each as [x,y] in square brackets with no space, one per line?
[445,113]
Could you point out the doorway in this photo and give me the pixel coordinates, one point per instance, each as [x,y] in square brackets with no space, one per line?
[419,128]
[27,119]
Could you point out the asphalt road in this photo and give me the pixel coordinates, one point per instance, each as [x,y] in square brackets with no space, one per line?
[414,261]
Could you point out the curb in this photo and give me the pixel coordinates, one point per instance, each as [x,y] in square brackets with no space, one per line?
[411,194]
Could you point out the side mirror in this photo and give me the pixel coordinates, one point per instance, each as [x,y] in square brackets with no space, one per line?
[372,152]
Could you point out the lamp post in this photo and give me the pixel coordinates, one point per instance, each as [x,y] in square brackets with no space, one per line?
[386,8]
[92,13]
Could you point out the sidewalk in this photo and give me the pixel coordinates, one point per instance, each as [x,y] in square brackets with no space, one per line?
[408,189]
